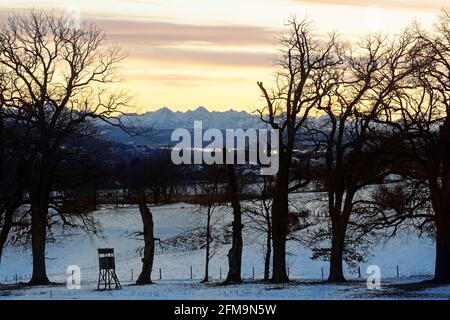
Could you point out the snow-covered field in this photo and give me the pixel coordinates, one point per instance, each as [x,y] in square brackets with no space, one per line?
[414,258]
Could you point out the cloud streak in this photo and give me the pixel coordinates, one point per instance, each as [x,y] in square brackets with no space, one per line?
[198,56]
[165,33]
[387,4]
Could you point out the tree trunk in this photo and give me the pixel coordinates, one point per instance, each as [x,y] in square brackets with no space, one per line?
[267,258]
[149,244]
[336,255]
[6,228]
[8,213]
[235,253]
[39,217]
[441,204]
[280,211]
[208,242]
[442,267]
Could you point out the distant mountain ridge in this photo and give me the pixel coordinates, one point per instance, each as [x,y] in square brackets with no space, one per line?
[165,118]
[163,121]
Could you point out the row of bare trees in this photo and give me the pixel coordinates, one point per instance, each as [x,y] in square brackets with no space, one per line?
[364,112]
[349,116]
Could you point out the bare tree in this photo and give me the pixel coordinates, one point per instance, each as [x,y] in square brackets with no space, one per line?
[258,214]
[301,84]
[60,76]
[438,84]
[419,115]
[209,201]
[352,141]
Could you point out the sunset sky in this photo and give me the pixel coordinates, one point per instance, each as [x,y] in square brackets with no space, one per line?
[189,53]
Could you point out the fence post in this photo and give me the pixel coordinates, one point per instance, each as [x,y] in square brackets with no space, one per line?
[131,274]
[321,269]
[220,273]
[191,271]
[359,272]
[160,274]
[398,272]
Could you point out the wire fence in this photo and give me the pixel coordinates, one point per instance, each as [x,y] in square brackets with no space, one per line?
[216,273]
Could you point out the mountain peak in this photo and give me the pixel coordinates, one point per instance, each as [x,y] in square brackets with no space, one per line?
[201,109]
[164,110]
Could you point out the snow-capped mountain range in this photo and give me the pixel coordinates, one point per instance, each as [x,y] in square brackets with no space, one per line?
[165,118]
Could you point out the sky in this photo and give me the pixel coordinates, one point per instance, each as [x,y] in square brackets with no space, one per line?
[188,53]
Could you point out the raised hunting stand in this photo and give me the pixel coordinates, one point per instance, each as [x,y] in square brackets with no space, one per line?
[107,269]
